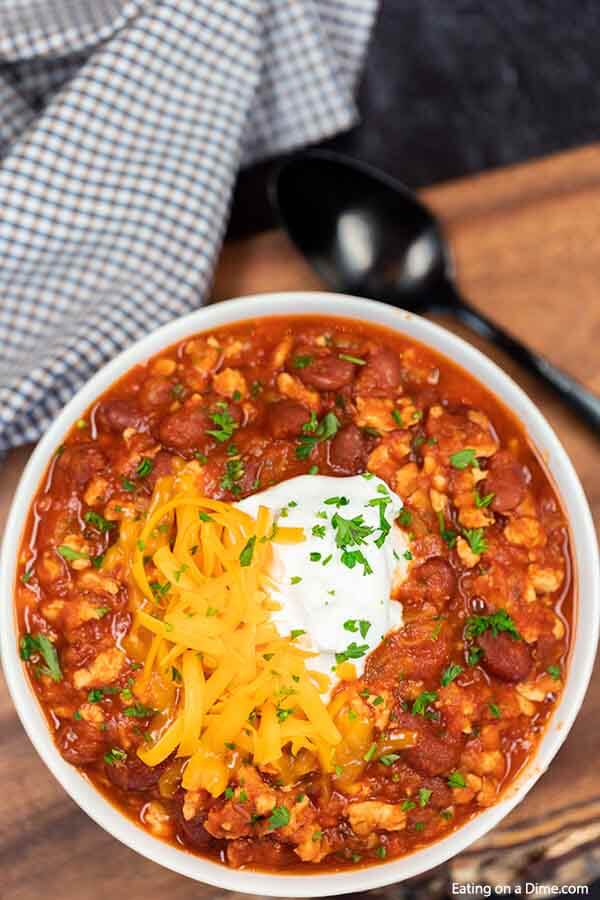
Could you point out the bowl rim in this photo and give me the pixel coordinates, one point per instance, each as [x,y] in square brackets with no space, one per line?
[586,614]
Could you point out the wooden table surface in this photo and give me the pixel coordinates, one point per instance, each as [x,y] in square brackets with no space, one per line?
[527,248]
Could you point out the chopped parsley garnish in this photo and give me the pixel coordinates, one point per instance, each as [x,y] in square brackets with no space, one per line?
[301,362]
[96,695]
[159,590]
[419,826]
[204,517]
[145,467]
[352,651]
[351,558]
[315,433]
[370,752]
[228,793]
[407,805]
[360,625]
[314,556]
[98,521]
[474,655]
[447,534]
[476,540]
[201,457]
[389,759]
[381,852]
[407,555]
[495,710]
[114,756]
[283,713]
[384,526]
[295,579]
[255,388]
[462,459]
[248,551]
[138,711]
[446,814]
[350,532]
[26,576]
[420,704]
[424,796]
[336,501]
[279,818]
[296,633]
[554,672]
[397,417]
[127,485]
[318,531]
[34,644]
[314,470]
[234,471]
[405,517]
[226,425]
[480,501]
[353,359]
[456,780]
[181,570]
[452,672]
[70,554]
[437,628]
[497,622]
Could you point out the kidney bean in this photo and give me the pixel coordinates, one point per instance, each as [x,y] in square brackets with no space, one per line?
[118,413]
[327,373]
[434,753]
[185,429]
[438,579]
[285,418]
[75,466]
[348,451]
[504,656]
[192,831]
[133,774]
[163,465]
[80,743]
[382,373]
[156,393]
[411,651]
[262,851]
[507,479]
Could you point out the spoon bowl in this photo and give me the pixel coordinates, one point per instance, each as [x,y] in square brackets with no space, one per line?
[367,234]
[362,231]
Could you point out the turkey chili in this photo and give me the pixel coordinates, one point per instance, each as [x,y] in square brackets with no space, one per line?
[159,598]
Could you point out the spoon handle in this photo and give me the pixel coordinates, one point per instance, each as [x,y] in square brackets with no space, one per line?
[572,391]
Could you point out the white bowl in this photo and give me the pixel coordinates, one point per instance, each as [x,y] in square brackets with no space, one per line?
[585,633]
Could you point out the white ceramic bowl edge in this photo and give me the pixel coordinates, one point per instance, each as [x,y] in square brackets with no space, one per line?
[585,631]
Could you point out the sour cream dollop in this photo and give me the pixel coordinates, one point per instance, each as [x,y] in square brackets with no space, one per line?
[336,585]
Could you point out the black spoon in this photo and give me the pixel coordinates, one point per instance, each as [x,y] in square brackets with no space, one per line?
[367,234]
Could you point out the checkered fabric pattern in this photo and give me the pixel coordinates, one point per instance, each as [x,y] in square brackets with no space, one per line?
[123,124]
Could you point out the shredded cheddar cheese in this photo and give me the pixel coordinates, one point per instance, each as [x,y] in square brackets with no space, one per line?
[199,572]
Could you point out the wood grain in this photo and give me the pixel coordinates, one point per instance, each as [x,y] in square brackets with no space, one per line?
[527,247]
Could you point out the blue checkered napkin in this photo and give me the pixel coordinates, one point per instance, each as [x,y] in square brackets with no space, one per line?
[122,127]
